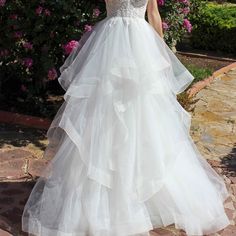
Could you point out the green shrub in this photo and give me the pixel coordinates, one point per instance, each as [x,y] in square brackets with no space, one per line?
[222,1]
[175,18]
[33,35]
[215,28]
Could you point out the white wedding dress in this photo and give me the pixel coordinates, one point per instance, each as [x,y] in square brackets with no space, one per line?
[123,159]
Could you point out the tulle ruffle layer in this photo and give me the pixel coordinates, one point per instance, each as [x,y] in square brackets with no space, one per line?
[123,42]
[124,162]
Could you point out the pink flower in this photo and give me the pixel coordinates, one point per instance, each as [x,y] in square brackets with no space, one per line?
[23,88]
[96,12]
[185,10]
[186,2]
[87,27]
[2,3]
[4,53]
[47,12]
[27,62]
[161,2]
[165,26]
[187,25]
[28,45]
[18,34]
[13,16]
[39,10]
[70,46]
[52,74]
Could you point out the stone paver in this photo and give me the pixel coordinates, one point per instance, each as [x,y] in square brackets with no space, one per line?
[13,196]
[21,152]
[213,130]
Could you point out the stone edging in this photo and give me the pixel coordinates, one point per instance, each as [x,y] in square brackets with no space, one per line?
[195,88]
[43,123]
[206,56]
[26,120]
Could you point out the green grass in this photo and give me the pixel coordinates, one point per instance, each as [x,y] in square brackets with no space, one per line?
[199,73]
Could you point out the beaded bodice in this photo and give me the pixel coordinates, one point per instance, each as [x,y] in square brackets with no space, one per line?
[126,8]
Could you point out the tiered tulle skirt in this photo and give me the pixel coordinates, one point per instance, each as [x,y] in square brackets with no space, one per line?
[123,161]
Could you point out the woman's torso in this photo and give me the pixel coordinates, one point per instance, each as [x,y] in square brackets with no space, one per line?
[126,8]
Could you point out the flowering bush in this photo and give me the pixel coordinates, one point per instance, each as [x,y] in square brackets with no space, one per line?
[37,36]
[175,18]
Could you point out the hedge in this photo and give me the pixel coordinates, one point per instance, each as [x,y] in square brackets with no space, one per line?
[215,28]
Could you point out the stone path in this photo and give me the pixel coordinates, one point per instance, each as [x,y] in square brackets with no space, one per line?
[21,150]
[213,129]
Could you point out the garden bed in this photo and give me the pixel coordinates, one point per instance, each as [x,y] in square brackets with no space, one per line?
[205,63]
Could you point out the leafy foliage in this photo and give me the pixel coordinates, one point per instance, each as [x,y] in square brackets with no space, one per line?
[175,18]
[36,37]
[32,40]
[215,28]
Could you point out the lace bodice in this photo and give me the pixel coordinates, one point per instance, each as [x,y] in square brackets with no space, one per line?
[126,8]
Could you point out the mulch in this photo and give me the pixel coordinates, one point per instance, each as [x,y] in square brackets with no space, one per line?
[213,64]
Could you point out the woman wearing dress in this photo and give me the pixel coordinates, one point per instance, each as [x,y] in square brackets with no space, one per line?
[122,160]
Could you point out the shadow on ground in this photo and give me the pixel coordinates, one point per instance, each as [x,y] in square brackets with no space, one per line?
[19,136]
[13,196]
[229,163]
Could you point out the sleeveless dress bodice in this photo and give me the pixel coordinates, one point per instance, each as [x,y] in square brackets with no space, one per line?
[126,8]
